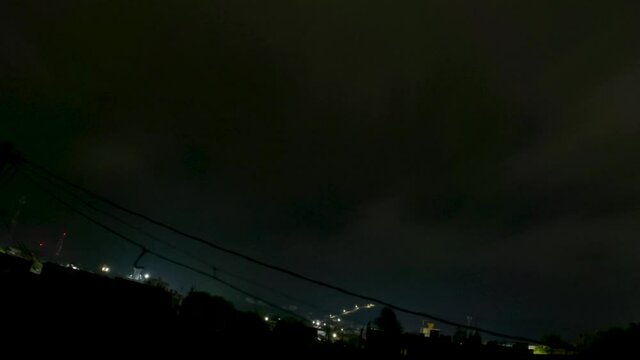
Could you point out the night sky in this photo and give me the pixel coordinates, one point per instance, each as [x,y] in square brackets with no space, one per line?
[454,157]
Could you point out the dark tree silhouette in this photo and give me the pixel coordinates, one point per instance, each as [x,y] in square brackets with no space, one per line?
[388,322]
[460,336]
[610,343]
[294,333]
[200,308]
[475,339]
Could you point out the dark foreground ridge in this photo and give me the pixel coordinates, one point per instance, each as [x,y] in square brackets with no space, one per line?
[67,308]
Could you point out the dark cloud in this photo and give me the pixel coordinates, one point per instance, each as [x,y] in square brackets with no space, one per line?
[456,157]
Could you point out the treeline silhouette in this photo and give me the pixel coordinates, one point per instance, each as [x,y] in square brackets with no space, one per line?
[63,308]
[616,342]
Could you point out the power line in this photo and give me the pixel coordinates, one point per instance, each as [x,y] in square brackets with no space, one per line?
[30,172]
[123,222]
[274,267]
[158,255]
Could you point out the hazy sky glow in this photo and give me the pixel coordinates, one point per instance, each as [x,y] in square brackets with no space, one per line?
[454,157]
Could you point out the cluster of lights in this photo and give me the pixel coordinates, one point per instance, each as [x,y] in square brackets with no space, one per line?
[105,269]
[139,277]
[346,312]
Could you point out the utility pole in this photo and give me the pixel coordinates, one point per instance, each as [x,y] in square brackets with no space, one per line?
[60,243]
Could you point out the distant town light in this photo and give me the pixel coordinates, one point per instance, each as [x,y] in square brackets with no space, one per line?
[105,269]
[339,319]
[334,335]
[266,318]
[146,276]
